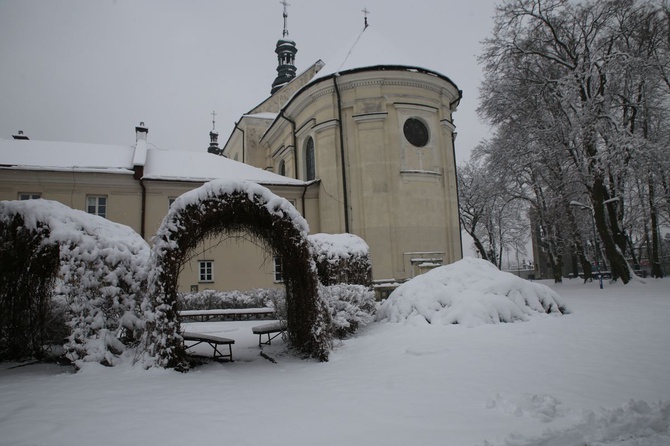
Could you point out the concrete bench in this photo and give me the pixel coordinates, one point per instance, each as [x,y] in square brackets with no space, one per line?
[271,330]
[228,314]
[213,341]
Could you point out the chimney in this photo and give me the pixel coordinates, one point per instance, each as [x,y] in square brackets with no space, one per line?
[20,136]
[141,132]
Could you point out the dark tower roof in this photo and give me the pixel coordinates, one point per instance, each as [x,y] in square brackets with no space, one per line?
[286,51]
[214,138]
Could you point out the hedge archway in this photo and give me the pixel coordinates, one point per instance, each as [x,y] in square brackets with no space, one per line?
[227,207]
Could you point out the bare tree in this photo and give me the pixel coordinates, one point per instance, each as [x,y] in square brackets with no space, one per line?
[576,79]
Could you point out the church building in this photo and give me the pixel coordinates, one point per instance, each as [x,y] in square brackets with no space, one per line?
[372,135]
[362,143]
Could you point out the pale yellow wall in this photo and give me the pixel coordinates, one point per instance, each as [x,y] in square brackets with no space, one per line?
[71,188]
[238,264]
[402,200]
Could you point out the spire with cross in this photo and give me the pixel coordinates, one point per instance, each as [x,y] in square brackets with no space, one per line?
[365,16]
[214,137]
[286,5]
[286,51]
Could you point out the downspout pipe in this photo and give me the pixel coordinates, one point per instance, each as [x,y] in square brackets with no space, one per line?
[453,150]
[143,210]
[304,192]
[295,142]
[244,149]
[344,165]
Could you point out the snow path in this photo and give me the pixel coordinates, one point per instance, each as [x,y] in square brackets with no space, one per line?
[393,384]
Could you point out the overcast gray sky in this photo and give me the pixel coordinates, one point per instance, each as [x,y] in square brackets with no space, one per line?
[90,70]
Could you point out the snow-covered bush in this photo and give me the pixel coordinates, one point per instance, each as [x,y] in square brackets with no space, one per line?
[470,292]
[94,270]
[212,299]
[351,306]
[342,258]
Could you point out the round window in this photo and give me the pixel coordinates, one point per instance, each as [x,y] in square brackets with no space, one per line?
[416,132]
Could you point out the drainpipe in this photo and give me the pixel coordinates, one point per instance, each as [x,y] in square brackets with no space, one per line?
[244,150]
[453,150]
[295,143]
[143,209]
[304,191]
[344,167]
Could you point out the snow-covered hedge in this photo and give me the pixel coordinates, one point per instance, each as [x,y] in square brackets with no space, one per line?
[228,207]
[95,270]
[470,292]
[212,299]
[351,306]
[342,258]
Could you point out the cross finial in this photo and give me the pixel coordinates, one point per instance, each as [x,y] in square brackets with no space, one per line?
[286,5]
[213,120]
[365,15]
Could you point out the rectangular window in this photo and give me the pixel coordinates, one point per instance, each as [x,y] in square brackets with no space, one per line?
[206,271]
[29,196]
[170,201]
[277,270]
[97,205]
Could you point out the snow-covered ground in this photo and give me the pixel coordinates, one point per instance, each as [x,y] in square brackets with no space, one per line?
[597,376]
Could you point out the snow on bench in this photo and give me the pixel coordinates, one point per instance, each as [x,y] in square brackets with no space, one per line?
[229,314]
[275,328]
[213,341]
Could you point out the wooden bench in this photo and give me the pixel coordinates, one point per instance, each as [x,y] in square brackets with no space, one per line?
[271,330]
[213,341]
[229,314]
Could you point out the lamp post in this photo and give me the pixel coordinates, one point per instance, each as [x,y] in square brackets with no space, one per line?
[595,237]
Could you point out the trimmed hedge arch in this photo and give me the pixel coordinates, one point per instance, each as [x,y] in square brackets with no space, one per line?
[227,207]
[93,270]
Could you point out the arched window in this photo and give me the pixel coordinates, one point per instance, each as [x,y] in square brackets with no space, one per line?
[310,162]
[282,168]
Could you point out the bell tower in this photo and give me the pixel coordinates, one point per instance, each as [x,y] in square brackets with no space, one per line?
[286,51]
[214,138]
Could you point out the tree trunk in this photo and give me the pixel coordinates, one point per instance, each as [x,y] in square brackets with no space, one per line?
[656,270]
[556,267]
[617,262]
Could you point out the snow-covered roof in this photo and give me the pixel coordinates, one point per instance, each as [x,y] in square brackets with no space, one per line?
[368,49]
[203,166]
[56,155]
[173,165]
[265,115]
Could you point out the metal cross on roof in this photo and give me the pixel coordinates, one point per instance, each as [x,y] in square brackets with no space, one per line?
[365,15]
[213,119]
[286,5]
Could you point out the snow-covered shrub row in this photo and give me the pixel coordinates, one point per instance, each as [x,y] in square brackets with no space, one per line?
[341,258]
[470,292]
[212,299]
[227,207]
[99,277]
[351,306]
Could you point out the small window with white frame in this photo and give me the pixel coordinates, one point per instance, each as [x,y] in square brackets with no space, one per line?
[278,273]
[206,271]
[97,205]
[29,196]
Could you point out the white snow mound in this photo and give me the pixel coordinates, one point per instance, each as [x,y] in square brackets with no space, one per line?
[470,292]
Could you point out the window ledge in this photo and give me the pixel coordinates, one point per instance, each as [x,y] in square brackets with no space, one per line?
[420,175]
